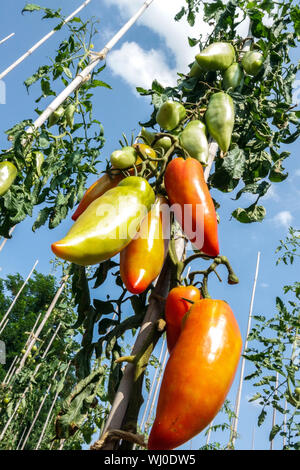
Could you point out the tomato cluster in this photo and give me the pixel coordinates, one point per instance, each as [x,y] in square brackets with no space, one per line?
[205,336]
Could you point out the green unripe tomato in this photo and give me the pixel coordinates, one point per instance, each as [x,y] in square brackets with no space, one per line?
[8,174]
[147,135]
[39,160]
[217,56]
[297,391]
[56,116]
[23,351]
[252,62]
[34,348]
[6,400]
[233,77]
[196,70]
[69,114]
[193,140]
[170,114]
[163,144]
[219,118]
[124,158]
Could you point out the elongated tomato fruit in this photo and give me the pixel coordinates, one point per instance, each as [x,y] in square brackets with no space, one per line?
[96,190]
[175,309]
[108,225]
[198,374]
[142,260]
[192,203]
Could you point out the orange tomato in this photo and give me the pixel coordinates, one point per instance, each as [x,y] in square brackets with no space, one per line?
[193,205]
[198,374]
[175,309]
[142,260]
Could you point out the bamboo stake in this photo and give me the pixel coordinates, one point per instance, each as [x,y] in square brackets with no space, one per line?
[274,412]
[209,433]
[27,388]
[5,239]
[39,43]
[46,351]
[38,411]
[42,324]
[6,38]
[239,392]
[16,297]
[156,390]
[284,424]
[49,413]
[84,75]
[152,385]
[253,437]
[62,444]
[17,358]
[33,328]
[43,356]
[7,320]
[17,448]
[10,368]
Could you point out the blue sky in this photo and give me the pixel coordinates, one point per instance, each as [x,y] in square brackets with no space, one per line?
[154,48]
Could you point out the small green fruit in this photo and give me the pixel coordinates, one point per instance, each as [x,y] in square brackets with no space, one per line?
[124,158]
[252,62]
[170,114]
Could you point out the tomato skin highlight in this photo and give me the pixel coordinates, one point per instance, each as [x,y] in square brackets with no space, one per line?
[123,158]
[97,189]
[175,309]
[198,374]
[108,225]
[252,62]
[142,260]
[186,187]
[170,114]
[216,56]
[193,140]
[233,77]
[8,174]
[219,118]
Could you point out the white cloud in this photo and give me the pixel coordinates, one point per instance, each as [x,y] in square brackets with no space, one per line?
[264,285]
[159,17]
[139,67]
[283,218]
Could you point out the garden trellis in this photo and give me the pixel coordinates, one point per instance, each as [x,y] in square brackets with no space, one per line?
[240,387]
[6,38]
[5,318]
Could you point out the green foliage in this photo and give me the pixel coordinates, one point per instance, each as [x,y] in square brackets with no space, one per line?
[275,354]
[73,144]
[35,298]
[26,389]
[265,117]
